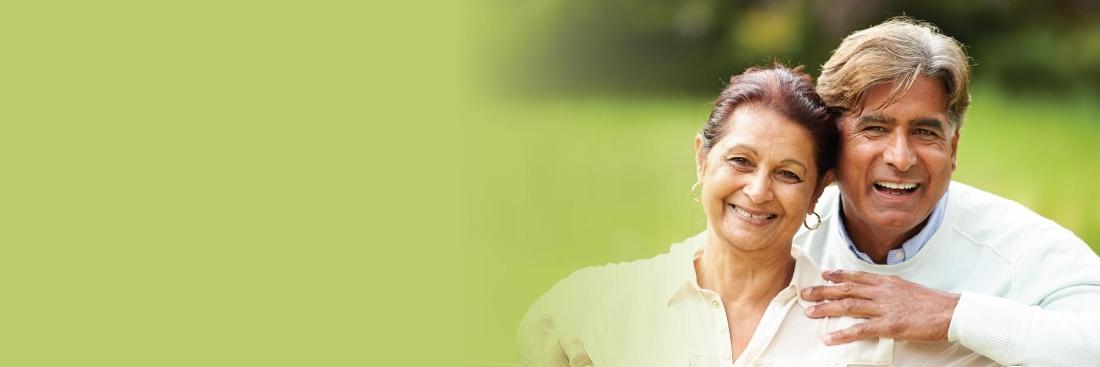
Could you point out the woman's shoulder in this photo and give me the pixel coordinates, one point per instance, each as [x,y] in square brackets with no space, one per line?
[628,274]
[596,295]
[636,281]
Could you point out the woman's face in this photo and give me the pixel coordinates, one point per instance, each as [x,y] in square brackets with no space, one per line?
[759,180]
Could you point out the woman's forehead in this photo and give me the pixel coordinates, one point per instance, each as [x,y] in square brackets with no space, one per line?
[763,129]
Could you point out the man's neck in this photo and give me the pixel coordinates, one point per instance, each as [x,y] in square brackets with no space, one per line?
[876,242]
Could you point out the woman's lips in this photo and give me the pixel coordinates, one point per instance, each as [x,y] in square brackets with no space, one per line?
[752,216]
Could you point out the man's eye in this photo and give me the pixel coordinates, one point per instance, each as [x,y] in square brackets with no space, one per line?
[926,132]
[875,129]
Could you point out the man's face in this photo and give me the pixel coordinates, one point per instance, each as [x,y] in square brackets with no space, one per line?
[895,163]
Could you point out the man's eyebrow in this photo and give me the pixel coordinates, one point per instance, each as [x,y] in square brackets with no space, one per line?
[873,117]
[931,122]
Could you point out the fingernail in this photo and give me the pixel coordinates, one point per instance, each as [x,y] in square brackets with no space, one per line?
[810,311]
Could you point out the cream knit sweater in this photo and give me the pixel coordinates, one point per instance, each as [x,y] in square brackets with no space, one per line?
[1030,288]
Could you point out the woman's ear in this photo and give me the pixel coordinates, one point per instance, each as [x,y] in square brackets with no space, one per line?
[826,180]
[700,158]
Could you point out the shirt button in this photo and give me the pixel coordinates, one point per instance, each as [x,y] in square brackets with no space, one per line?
[899,255]
[726,356]
[714,303]
[722,329]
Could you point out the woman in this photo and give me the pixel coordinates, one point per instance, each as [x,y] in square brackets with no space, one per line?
[762,160]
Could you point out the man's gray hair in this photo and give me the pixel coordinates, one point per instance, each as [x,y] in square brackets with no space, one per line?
[897,51]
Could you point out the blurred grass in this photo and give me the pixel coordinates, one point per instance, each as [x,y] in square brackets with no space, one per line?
[553,186]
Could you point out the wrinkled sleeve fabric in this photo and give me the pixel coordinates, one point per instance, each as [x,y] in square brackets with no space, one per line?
[549,334]
[1052,317]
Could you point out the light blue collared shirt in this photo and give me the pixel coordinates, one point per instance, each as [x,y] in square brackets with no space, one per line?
[910,247]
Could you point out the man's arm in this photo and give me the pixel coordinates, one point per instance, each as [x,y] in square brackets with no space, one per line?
[1059,276]
[1012,333]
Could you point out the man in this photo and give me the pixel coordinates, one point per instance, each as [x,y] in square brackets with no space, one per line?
[929,259]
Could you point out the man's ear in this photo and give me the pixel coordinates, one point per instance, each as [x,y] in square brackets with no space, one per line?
[955,148]
[700,158]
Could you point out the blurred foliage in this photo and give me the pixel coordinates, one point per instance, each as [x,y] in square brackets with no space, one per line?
[663,46]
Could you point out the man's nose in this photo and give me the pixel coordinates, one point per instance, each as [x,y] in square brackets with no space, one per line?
[900,153]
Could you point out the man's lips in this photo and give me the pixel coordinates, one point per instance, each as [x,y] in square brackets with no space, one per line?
[896,188]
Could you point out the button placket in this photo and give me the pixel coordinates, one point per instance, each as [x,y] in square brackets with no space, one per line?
[725,351]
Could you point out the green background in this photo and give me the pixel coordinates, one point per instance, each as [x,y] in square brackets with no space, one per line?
[228,183]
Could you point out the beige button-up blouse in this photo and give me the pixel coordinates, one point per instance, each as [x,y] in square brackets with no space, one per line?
[653,313]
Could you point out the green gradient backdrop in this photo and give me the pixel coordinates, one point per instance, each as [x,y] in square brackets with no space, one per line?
[227,183]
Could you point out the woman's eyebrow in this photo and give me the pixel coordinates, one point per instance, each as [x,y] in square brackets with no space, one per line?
[741,146]
[796,162]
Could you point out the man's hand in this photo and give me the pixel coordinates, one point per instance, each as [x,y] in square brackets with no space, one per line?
[895,308]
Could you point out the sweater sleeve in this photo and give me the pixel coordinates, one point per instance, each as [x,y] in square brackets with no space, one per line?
[1052,315]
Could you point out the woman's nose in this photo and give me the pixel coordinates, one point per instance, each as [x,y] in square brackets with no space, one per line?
[759,188]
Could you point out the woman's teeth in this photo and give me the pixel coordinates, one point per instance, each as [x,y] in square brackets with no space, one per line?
[744,214]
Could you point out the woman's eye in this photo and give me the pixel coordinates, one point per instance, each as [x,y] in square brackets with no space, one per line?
[790,177]
[740,162]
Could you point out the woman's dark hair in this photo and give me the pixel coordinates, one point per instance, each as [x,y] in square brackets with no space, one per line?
[790,92]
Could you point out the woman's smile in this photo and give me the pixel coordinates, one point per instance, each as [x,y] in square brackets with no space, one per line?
[755,217]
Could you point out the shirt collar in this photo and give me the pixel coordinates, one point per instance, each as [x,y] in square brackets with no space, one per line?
[909,248]
[683,282]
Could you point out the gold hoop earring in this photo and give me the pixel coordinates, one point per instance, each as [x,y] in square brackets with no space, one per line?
[816,225]
[692,192]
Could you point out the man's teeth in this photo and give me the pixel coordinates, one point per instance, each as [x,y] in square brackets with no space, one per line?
[744,214]
[897,186]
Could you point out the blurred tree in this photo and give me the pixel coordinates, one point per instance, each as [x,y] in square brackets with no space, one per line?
[691,46]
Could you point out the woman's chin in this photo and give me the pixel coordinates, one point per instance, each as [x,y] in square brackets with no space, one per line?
[745,239]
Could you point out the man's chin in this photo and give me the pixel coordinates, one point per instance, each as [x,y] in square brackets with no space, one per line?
[895,221]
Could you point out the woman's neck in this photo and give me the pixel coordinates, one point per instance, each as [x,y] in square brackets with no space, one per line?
[743,277]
